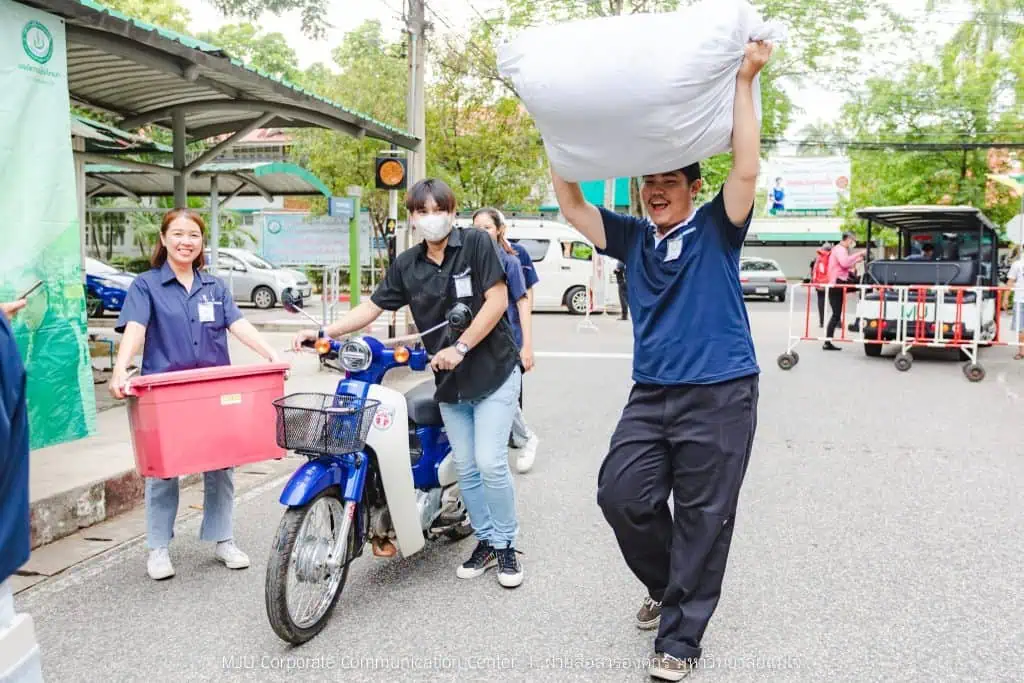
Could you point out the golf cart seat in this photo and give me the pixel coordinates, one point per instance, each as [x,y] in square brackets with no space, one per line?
[963,273]
[423,409]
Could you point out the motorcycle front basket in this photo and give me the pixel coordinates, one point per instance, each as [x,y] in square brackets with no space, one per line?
[324,424]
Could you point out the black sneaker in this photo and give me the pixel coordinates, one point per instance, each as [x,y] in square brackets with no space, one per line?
[829,346]
[649,615]
[482,559]
[510,570]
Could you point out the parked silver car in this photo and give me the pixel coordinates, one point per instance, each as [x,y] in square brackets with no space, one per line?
[762,277]
[255,279]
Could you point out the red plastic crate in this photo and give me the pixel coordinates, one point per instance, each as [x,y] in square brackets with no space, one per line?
[207,419]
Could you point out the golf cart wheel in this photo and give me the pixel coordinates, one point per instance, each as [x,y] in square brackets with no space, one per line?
[974,372]
[903,361]
[788,360]
[873,350]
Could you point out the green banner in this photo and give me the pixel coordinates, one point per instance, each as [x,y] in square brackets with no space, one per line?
[40,231]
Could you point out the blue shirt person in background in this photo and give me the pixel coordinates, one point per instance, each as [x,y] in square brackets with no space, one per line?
[15,530]
[183,315]
[688,426]
[520,313]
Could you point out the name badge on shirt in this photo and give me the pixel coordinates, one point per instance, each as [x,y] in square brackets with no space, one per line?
[206,314]
[463,285]
[675,248]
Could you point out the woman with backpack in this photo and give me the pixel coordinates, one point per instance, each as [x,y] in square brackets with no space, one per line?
[819,277]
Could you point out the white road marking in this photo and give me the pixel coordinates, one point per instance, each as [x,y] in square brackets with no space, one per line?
[1001,378]
[79,573]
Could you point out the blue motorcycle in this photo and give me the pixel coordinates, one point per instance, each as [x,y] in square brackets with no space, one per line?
[379,471]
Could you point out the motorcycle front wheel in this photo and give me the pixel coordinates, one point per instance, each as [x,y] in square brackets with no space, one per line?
[301,586]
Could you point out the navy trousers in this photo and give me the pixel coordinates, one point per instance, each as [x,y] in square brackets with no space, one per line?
[694,442]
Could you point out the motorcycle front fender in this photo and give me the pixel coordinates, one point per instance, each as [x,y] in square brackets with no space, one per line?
[317,475]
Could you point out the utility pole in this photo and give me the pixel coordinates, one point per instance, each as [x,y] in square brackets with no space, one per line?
[415,108]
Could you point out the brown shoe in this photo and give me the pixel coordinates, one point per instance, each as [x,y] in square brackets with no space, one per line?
[649,615]
[668,668]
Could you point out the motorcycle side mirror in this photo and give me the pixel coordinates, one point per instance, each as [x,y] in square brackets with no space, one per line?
[460,317]
[290,301]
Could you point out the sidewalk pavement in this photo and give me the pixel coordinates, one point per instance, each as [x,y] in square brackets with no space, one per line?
[77,489]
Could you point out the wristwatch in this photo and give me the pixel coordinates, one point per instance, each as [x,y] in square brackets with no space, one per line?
[462,348]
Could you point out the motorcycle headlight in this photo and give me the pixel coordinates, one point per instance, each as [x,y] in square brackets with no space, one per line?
[355,355]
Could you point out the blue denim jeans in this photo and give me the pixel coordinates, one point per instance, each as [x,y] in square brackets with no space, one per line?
[162,508]
[478,432]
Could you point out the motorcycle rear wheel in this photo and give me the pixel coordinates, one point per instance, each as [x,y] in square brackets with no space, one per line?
[299,556]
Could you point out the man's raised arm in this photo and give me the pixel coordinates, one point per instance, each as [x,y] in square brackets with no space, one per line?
[741,185]
[580,213]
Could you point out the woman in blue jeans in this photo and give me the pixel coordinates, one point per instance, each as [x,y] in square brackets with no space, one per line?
[476,372]
[183,315]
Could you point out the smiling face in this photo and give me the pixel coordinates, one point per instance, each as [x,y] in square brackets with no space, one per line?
[183,239]
[669,198]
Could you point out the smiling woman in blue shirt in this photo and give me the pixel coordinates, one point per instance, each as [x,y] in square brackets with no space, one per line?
[183,315]
[688,426]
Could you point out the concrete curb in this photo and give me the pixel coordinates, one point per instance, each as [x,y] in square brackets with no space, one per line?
[63,514]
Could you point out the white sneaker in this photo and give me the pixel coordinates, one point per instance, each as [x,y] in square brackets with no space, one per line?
[525,460]
[159,565]
[231,555]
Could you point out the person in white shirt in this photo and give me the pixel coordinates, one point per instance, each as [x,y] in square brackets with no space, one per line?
[1015,280]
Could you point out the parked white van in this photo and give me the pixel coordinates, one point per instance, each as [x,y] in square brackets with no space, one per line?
[563,259]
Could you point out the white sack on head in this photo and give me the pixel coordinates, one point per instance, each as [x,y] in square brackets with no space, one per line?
[636,94]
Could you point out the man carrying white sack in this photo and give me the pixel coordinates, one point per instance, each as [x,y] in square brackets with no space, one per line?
[689,423]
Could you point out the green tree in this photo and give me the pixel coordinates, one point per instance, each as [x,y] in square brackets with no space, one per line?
[268,52]
[314,12]
[164,13]
[481,139]
[949,102]
[372,81]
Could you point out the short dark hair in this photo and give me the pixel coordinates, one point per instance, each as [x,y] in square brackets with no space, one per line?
[928,247]
[849,236]
[692,172]
[430,188]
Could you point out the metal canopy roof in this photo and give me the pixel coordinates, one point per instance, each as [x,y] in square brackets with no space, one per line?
[144,74]
[103,139]
[919,218]
[233,179]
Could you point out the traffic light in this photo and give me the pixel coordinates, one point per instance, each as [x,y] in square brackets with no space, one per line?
[391,173]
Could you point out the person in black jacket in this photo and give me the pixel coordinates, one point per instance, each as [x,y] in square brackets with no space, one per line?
[620,279]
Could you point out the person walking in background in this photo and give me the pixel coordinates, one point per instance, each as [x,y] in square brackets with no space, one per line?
[520,315]
[620,280]
[819,277]
[1015,281]
[840,266]
[183,315]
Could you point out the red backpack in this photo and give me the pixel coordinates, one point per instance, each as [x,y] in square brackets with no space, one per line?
[819,274]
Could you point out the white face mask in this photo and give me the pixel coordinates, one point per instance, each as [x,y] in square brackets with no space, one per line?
[434,227]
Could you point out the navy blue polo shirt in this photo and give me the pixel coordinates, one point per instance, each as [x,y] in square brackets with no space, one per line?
[184,330]
[516,291]
[529,272]
[14,510]
[690,324]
